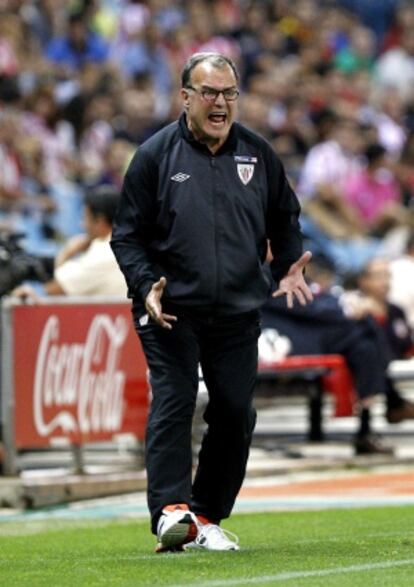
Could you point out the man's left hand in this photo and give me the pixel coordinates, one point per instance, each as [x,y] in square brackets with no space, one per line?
[294,284]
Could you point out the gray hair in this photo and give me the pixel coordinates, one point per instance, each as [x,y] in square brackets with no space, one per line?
[216,59]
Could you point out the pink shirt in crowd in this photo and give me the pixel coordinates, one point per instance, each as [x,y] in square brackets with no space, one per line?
[370,194]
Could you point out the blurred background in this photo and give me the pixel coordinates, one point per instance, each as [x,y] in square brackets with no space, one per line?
[329,83]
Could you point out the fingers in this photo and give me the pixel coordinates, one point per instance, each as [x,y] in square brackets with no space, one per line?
[303,295]
[160,318]
[300,297]
[169,317]
[282,292]
[154,308]
[162,321]
[153,305]
[302,261]
[160,284]
[306,257]
[308,292]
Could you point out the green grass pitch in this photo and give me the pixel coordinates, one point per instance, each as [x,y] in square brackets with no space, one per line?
[357,547]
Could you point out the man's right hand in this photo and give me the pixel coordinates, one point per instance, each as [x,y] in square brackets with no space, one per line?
[153,305]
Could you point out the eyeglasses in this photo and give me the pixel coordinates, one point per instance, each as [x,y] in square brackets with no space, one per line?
[211,95]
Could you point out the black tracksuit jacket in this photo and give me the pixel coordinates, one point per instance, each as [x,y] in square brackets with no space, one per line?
[203,220]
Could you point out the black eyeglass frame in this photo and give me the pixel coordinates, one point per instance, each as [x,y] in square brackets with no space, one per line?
[235,93]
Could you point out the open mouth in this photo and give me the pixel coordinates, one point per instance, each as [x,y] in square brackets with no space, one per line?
[217,118]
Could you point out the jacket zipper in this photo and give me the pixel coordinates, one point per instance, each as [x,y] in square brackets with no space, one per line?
[216,230]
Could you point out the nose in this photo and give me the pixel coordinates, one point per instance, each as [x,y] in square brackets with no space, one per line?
[220,99]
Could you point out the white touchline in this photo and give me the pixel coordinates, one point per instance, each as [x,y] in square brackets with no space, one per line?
[299,574]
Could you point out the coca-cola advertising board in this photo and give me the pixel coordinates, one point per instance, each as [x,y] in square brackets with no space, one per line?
[78,373]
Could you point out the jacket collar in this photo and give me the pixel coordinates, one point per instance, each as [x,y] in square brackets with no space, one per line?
[228,146]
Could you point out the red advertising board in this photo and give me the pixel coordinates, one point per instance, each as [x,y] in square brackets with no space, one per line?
[78,373]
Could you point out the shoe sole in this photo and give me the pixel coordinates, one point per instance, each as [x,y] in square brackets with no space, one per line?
[159,549]
[196,546]
[180,533]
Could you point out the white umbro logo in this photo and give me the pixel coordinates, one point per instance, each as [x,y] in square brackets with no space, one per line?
[180,177]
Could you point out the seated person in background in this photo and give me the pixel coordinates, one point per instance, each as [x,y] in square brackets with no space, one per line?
[86,265]
[333,227]
[322,327]
[371,300]
[326,169]
[375,195]
[402,280]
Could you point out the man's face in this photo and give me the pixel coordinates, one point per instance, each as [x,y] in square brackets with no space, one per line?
[210,120]
[78,33]
[376,281]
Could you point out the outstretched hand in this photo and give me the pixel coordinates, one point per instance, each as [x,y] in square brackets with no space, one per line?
[294,284]
[153,305]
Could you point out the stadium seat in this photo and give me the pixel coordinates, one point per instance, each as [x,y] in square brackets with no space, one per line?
[326,373]
[336,377]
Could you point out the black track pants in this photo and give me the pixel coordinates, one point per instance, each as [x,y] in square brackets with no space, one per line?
[226,347]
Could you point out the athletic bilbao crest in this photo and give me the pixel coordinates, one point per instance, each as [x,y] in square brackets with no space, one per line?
[245,172]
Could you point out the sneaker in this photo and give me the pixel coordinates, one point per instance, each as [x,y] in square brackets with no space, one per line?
[370,444]
[212,537]
[176,526]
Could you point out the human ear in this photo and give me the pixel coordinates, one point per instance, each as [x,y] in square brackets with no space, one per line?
[186,97]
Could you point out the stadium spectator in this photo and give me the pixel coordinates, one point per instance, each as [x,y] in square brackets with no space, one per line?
[44,20]
[206,34]
[395,68]
[36,206]
[79,45]
[402,280]
[146,55]
[117,157]
[166,15]
[330,162]
[141,115]
[132,19]
[293,133]
[10,175]
[9,45]
[375,194]
[332,226]
[96,134]
[43,119]
[386,112]
[374,284]
[249,37]
[359,54]
[86,265]
[372,300]
[403,20]
[404,169]
[378,17]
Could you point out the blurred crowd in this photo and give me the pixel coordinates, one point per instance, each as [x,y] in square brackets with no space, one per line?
[329,83]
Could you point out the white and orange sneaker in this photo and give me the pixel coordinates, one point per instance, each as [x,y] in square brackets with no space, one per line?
[177,526]
[211,537]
